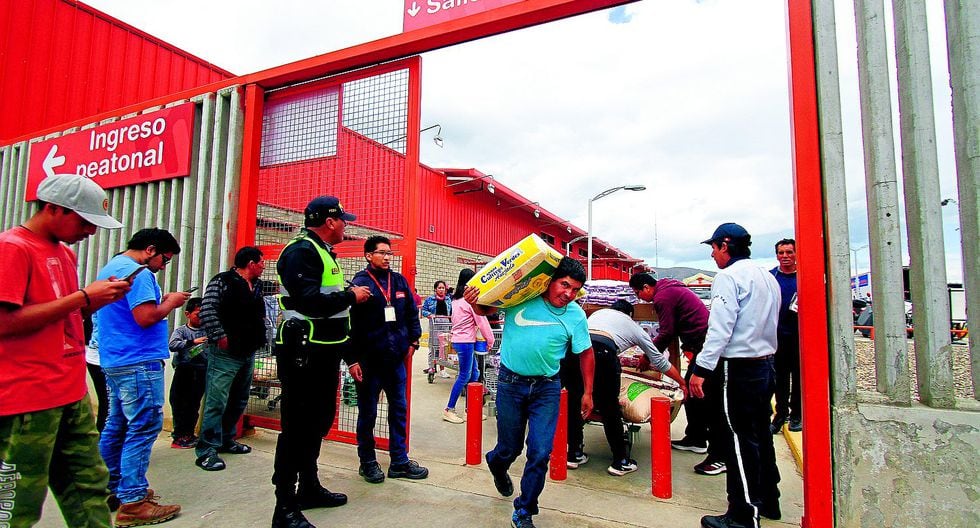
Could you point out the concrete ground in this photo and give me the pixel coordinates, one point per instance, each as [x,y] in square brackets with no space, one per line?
[454,494]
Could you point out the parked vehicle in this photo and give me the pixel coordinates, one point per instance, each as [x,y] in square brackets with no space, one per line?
[866,318]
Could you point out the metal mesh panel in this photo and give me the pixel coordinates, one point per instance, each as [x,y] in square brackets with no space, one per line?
[347,138]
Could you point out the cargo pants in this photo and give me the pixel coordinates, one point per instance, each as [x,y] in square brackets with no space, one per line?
[58,448]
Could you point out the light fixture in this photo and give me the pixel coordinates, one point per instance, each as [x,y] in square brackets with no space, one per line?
[437,139]
[490,188]
[603,194]
[537,213]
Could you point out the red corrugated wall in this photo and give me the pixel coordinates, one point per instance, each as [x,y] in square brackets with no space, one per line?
[62,60]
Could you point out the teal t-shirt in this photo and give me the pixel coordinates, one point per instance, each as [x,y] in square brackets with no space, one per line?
[537,335]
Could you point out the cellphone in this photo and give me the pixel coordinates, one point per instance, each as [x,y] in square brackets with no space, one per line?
[135,273]
[191,290]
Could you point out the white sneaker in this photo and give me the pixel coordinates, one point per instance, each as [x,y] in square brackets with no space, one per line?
[444,374]
[623,467]
[449,415]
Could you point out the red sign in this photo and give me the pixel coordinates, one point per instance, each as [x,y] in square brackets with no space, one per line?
[149,147]
[423,13]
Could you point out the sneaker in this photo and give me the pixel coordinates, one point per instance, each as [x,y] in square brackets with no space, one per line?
[183,442]
[410,470]
[687,444]
[444,374]
[372,472]
[795,425]
[235,448]
[146,511]
[289,517]
[521,519]
[576,459]
[618,469]
[210,462]
[721,521]
[449,415]
[501,480]
[710,467]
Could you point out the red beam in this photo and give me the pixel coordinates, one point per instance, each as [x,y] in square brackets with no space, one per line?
[501,20]
[815,374]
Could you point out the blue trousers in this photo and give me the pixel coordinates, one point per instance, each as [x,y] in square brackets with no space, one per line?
[135,419]
[391,380]
[526,404]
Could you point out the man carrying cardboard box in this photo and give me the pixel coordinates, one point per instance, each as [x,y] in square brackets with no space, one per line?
[535,339]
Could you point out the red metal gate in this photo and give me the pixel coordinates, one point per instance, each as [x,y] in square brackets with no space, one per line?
[354,136]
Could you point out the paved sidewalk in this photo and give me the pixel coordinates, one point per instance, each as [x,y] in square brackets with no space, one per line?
[454,495]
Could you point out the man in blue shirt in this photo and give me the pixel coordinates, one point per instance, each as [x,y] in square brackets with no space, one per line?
[132,337]
[788,342]
[534,341]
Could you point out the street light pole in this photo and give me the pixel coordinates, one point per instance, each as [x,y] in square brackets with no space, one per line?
[856,270]
[603,194]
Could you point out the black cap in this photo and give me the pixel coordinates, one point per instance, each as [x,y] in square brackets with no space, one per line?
[323,207]
[730,232]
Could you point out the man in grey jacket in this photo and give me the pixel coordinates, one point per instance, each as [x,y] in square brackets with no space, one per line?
[612,330]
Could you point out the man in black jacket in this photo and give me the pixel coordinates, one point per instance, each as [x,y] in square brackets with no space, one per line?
[384,331]
[233,314]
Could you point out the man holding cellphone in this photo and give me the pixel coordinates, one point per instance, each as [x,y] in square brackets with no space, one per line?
[132,336]
[233,315]
[42,357]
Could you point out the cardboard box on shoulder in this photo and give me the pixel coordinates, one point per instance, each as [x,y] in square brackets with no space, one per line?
[521,272]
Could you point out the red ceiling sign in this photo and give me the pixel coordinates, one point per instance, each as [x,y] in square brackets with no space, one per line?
[422,13]
[145,148]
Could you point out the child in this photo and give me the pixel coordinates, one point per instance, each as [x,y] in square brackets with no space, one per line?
[190,370]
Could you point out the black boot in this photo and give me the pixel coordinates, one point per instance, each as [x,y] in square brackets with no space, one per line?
[319,497]
[289,516]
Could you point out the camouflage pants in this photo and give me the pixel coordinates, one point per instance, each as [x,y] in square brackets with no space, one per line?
[58,448]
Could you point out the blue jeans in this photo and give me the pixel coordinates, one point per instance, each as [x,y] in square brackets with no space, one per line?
[135,419]
[225,398]
[531,404]
[392,380]
[468,371]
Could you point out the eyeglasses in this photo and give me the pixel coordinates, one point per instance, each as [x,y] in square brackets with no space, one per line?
[384,253]
[165,258]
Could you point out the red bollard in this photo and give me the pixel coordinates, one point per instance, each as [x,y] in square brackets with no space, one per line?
[660,473]
[559,449]
[474,423]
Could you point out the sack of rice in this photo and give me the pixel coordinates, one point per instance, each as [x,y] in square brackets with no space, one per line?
[521,272]
[635,396]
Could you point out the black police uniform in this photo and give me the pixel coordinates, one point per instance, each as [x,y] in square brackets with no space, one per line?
[308,370]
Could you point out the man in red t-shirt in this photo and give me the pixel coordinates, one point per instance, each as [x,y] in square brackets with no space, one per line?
[47,432]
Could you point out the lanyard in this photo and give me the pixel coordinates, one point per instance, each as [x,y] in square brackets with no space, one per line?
[387,295]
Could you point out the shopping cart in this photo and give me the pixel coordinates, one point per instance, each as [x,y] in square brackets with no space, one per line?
[440,327]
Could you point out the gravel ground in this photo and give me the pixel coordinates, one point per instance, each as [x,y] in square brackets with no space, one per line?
[866,367]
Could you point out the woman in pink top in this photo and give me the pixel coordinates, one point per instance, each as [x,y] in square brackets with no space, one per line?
[465,324]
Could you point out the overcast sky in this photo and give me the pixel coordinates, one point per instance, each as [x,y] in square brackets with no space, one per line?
[689,98]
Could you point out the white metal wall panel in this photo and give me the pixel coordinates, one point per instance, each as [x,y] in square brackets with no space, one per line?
[200,210]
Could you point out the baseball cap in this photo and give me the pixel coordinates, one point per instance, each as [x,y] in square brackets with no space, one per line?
[327,207]
[729,232]
[79,194]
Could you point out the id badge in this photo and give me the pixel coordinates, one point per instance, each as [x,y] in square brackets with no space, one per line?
[389,314]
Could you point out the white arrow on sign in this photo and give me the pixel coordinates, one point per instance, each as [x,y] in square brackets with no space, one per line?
[52,160]
[414,10]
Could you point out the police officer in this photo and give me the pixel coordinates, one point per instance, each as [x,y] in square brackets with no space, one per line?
[310,343]
[740,343]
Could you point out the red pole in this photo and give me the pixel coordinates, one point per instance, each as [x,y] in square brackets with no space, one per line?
[660,447]
[474,423]
[559,450]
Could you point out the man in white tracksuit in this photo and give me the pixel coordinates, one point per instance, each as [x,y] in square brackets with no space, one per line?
[741,341]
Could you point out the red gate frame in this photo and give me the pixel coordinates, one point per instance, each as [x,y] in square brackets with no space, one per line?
[808,192]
